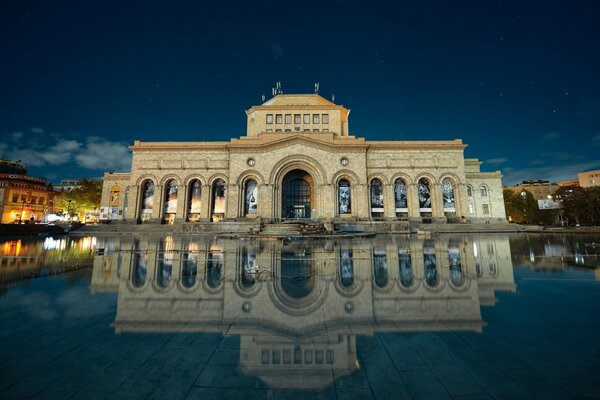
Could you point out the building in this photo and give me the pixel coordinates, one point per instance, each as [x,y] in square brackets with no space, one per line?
[543,192]
[589,178]
[23,198]
[67,185]
[298,160]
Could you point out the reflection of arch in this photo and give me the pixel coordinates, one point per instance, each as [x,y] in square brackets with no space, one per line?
[214,267]
[189,267]
[401,197]
[380,268]
[139,267]
[405,267]
[297,194]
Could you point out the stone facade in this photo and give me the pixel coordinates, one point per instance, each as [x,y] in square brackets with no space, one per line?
[298,161]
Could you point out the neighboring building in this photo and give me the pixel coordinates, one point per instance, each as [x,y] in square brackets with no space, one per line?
[67,185]
[589,178]
[542,191]
[299,161]
[23,197]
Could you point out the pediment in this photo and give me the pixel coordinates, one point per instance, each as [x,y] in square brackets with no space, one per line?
[273,141]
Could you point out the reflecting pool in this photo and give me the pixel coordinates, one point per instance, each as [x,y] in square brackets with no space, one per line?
[455,316]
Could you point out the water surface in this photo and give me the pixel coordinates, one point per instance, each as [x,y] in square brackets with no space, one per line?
[457,316]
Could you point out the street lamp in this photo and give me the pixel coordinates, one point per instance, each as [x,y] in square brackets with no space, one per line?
[22,208]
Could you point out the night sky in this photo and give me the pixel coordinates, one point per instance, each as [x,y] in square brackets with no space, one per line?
[517,81]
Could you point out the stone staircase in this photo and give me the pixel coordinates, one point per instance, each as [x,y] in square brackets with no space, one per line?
[293,229]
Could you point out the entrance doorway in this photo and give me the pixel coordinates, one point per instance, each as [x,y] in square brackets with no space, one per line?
[296,199]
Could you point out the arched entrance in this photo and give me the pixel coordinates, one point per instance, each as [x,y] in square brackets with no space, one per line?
[297,195]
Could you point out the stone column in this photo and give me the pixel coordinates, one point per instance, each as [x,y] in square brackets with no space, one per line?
[265,201]
[182,193]
[389,204]
[232,192]
[360,201]
[414,215]
[437,209]
[205,203]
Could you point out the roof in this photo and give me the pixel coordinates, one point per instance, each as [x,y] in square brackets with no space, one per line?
[298,100]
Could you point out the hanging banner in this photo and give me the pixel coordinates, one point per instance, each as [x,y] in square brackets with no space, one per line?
[448,196]
[251,197]
[376,196]
[344,199]
[219,206]
[148,197]
[400,196]
[171,198]
[195,193]
[424,196]
[405,264]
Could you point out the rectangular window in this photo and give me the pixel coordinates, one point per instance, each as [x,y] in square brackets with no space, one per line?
[297,128]
[15,198]
[269,130]
[42,199]
[288,130]
[277,130]
[471,209]
[307,118]
[307,130]
[23,198]
[325,129]
[485,208]
[288,118]
[33,199]
[315,130]
[278,119]
[316,118]
[297,119]
[325,118]
[269,118]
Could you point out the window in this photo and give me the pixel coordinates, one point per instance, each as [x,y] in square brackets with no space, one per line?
[33,199]
[42,199]
[307,130]
[269,118]
[483,191]
[325,130]
[315,130]
[485,208]
[269,130]
[23,198]
[469,191]
[316,118]
[278,119]
[307,118]
[471,209]
[277,130]
[325,118]
[297,128]
[297,119]
[288,118]
[288,130]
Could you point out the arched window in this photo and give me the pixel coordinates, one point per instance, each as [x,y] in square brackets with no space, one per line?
[346,268]
[380,270]
[218,200]
[189,266]
[344,197]
[214,267]
[469,191]
[483,191]
[424,195]
[194,200]
[376,198]
[251,198]
[448,196]
[405,265]
[147,200]
[400,199]
[170,208]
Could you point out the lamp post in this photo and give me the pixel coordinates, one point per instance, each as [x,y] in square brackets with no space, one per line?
[22,209]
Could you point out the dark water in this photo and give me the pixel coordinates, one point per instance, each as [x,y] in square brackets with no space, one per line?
[456,316]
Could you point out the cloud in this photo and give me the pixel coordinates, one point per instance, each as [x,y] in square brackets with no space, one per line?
[16,136]
[37,130]
[550,136]
[95,154]
[104,155]
[552,173]
[496,161]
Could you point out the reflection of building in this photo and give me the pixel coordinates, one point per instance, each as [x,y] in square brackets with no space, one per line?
[23,198]
[297,307]
[299,161]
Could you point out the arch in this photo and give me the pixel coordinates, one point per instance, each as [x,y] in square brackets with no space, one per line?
[424,191]
[170,198]
[345,174]
[250,197]
[469,191]
[218,199]
[344,197]
[483,190]
[376,195]
[449,195]
[400,197]
[250,174]
[214,177]
[145,177]
[188,179]
[405,267]
[430,267]
[147,195]
[214,267]
[380,268]
[189,267]
[297,194]
[169,177]
[194,199]
[457,278]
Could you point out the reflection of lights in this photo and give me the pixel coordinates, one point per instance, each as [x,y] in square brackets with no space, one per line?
[169,243]
[531,256]
[475,249]
[87,243]
[51,244]
[579,259]
[13,244]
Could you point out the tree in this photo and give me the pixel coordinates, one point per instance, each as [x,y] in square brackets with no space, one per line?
[81,200]
[521,207]
[575,203]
